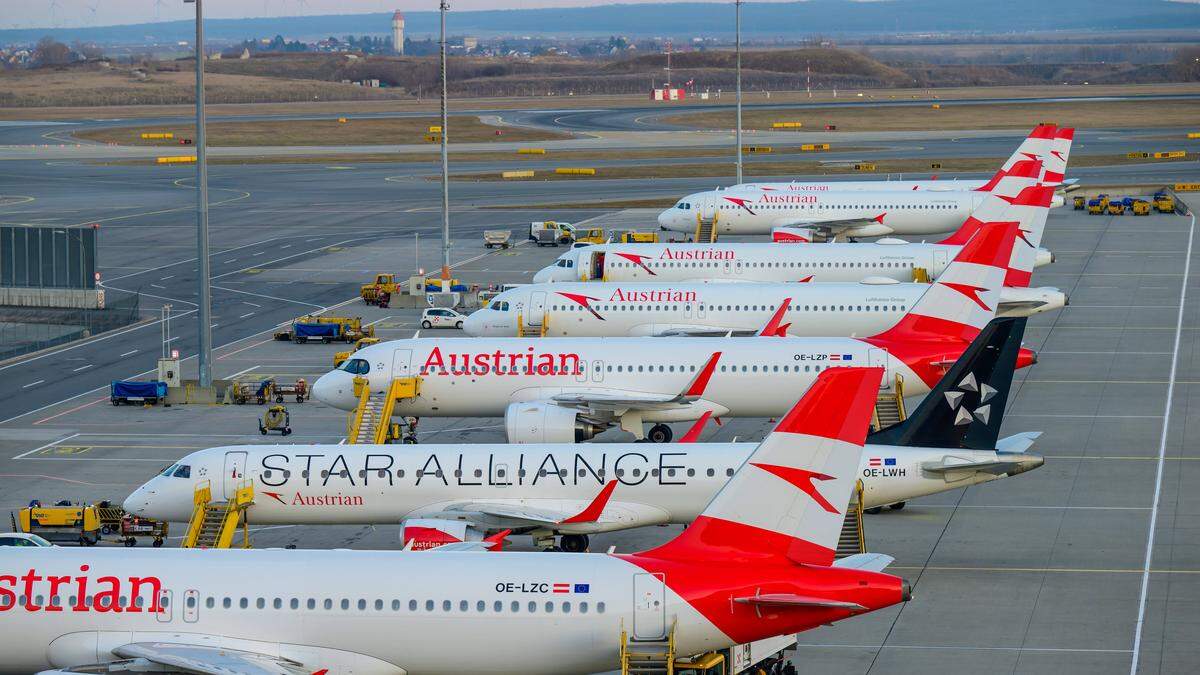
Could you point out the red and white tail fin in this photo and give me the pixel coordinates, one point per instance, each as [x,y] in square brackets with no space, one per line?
[1030,209]
[1036,146]
[964,297]
[1055,170]
[1022,174]
[788,500]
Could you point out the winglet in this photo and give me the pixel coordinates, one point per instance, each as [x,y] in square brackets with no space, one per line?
[773,327]
[497,540]
[696,387]
[693,434]
[593,510]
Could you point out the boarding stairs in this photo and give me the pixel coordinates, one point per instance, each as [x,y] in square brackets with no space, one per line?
[533,331]
[706,228]
[889,406]
[213,524]
[371,421]
[648,657]
[852,540]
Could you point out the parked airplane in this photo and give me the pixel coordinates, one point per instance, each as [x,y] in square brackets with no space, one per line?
[868,307]
[446,493]
[758,562]
[563,390]
[834,262]
[1040,144]
[825,211]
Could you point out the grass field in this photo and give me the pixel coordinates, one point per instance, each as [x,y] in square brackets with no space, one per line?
[803,168]
[392,131]
[41,95]
[1089,114]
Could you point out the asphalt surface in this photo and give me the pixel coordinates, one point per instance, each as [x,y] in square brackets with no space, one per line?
[1041,573]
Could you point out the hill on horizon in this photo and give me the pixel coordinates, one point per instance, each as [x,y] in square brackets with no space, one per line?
[761,20]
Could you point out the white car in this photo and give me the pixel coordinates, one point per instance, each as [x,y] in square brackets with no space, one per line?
[439,317]
[22,539]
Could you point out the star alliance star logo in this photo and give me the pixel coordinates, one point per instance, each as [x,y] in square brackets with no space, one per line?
[982,412]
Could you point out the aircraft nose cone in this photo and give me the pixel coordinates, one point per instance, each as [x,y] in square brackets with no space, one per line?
[473,324]
[136,502]
[544,275]
[664,220]
[335,389]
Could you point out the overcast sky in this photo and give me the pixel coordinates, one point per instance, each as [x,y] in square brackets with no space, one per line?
[82,13]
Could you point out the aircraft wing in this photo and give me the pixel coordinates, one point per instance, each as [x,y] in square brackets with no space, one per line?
[703,331]
[463,546]
[210,660]
[831,228]
[613,400]
[525,514]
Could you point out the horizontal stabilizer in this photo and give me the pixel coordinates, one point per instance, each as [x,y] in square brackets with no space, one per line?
[794,600]
[871,562]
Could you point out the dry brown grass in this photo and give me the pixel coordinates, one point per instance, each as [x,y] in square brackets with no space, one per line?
[25,82]
[1082,114]
[804,168]
[330,132]
[29,91]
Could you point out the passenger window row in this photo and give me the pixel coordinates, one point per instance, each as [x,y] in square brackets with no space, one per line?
[478,473]
[734,308]
[397,605]
[773,265]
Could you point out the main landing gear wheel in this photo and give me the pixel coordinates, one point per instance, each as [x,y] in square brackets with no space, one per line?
[573,543]
[874,510]
[660,433]
[897,506]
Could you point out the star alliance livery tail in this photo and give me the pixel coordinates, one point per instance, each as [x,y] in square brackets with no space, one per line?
[966,408]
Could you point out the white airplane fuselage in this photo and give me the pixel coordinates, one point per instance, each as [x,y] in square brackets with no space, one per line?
[878,213]
[481,377]
[747,261]
[655,309]
[387,484]
[346,611]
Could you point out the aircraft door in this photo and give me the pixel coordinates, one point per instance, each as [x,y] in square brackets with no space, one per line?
[597,371]
[649,607]
[597,265]
[581,371]
[737,267]
[725,265]
[400,363]
[537,309]
[939,262]
[191,605]
[878,358]
[235,472]
[701,310]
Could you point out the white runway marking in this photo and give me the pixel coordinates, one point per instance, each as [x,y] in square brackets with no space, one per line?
[32,384]
[130,352]
[43,447]
[82,368]
[1162,455]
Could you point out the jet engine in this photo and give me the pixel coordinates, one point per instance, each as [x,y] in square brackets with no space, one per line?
[794,235]
[544,422]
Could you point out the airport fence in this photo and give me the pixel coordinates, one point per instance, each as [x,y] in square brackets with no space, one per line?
[29,329]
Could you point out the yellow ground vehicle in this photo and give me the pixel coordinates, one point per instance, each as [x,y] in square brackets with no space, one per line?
[340,357]
[1164,203]
[1103,201]
[548,232]
[591,235]
[1141,207]
[634,237]
[276,418]
[1116,208]
[1095,207]
[373,292]
[260,392]
[62,523]
[1080,202]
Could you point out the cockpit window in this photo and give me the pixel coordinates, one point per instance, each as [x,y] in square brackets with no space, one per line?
[357,366]
[499,306]
[565,263]
[169,470]
[184,471]
[683,205]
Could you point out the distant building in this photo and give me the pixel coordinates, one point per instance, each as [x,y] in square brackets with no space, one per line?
[398,33]
[470,44]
